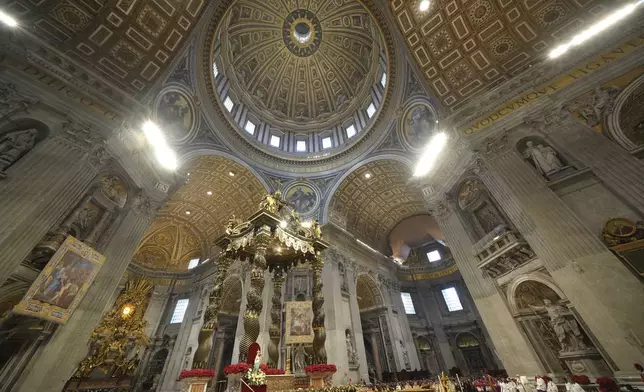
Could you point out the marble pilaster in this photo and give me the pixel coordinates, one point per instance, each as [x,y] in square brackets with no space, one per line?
[511,344]
[55,363]
[432,313]
[598,285]
[40,188]
[612,164]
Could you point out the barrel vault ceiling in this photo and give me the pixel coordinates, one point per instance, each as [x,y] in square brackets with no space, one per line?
[467,47]
[370,208]
[192,219]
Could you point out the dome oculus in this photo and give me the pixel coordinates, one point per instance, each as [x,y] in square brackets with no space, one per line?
[302,33]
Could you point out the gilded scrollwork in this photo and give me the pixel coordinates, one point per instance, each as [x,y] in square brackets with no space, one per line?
[117,341]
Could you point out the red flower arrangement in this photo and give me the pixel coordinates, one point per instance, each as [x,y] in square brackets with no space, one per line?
[209,373]
[269,371]
[607,384]
[580,379]
[321,368]
[236,368]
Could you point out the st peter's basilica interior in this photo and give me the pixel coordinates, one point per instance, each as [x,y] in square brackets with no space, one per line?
[267,195]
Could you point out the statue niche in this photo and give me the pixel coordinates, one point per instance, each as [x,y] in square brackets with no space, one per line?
[17,141]
[543,158]
[555,331]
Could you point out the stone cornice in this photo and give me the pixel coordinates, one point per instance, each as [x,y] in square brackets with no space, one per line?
[538,75]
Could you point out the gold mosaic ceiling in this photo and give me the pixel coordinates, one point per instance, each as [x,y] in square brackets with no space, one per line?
[465,47]
[175,236]
[129,42]
[296,84]
[371,208]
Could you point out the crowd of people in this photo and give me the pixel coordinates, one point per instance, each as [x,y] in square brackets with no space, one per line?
[485,383]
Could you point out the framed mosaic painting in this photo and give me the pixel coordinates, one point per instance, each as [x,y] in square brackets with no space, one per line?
[62,284]
[299,322]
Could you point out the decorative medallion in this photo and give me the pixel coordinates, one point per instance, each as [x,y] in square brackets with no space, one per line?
[175,114]
[302,33]
[419,124]
[469,193]
[303,198]
[114,189]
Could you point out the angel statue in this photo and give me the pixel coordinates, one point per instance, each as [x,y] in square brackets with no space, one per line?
[233,222]
[272,202]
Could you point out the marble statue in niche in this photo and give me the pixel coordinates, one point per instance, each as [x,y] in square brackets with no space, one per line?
[352,354]
[566,329]
[343,275]
[299,357]
[14,145]
[543,157]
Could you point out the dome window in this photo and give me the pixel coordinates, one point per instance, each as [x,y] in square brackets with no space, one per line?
[250,127]
[275,141]
[326,142]
[371,110]
[228,104]
[383,80]
[351,131]
[300,146]
[215,71]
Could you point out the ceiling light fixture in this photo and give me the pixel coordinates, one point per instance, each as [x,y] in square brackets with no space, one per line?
[8,20]
[187,212]
[424,5]
[231,174]
[367,175]
[209,193]
[283,224]
[593,30]
[306,224]
[162,151]
[430,154]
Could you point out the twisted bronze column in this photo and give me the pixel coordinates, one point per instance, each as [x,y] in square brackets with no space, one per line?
[275,331]
[205,339]
[254,295]
[319,337]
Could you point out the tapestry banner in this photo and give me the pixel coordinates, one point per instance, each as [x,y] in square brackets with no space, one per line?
[60,287]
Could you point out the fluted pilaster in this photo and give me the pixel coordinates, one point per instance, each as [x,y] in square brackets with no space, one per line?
[597,284]
[512,347]
[611,163]
[55,363]
[40,188]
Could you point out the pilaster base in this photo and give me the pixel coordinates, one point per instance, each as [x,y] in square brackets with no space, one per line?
[586,362]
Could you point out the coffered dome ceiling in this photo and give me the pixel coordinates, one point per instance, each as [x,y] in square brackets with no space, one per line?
[300,64]
[370,208]
[192,219]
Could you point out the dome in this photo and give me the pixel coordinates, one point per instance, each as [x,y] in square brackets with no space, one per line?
[300,66]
